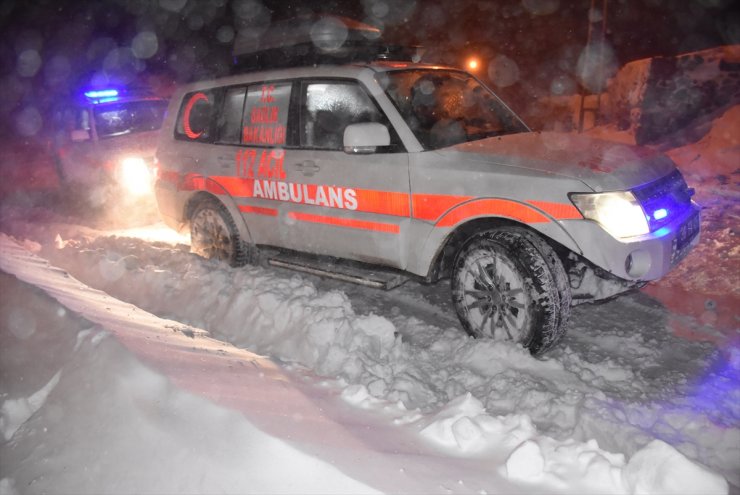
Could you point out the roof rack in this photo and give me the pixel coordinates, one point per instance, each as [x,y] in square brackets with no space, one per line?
[314,40]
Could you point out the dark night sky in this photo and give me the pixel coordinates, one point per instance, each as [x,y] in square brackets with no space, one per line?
[51,47]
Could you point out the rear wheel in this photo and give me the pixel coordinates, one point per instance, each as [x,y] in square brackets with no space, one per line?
[508,284]
[213,234]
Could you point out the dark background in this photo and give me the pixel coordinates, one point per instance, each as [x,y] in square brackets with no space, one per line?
[50,49]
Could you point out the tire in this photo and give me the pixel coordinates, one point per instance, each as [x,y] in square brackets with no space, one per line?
[508,284]
[213,234]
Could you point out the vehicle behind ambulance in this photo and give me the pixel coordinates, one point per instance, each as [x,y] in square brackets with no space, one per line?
[104,144]
[355,169]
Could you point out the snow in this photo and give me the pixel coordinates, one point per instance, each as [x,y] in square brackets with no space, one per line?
[128,364]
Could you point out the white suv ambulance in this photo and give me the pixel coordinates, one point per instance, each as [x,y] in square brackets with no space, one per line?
[424,170]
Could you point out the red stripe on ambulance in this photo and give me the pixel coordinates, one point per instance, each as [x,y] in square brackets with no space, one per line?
[560,211]
[345,222]
[492,207]
[443,210]
[258,210]
[430,207]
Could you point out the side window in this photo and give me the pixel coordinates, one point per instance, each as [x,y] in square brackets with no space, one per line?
[329,107]
[195,122]
[71,118]
[230,119]
[67,119]
[266,114]
[82,122]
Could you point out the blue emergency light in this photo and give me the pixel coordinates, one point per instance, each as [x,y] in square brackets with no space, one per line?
[660,214]
[102,93]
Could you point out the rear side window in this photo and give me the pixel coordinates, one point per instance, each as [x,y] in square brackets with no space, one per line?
[230,119]
[196,119]
[266,114]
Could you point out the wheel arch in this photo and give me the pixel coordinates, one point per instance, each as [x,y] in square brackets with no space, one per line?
[443,259]
[225,200]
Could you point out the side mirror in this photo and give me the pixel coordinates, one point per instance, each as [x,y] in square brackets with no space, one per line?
[365,137]
[80,135]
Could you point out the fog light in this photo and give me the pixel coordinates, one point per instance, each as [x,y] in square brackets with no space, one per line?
[637,263]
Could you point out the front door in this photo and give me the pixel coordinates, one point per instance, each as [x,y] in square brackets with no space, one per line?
[349,205]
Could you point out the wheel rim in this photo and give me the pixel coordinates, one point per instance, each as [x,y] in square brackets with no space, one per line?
[210,236]
[494,296]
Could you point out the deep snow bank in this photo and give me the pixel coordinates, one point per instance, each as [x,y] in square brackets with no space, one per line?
[619,377]
[104,423]
[322,331]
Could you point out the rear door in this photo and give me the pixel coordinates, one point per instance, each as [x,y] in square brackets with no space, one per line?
[335,203]
[250,149]
[76,148]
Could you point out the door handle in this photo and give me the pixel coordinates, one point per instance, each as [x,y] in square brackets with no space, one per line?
[308,167]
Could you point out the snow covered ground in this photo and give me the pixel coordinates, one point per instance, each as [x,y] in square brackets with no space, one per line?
[128,364]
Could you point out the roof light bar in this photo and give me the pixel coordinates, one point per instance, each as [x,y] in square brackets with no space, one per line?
[103,93]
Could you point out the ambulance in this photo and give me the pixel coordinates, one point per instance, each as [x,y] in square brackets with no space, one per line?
[377,171]
[104,143]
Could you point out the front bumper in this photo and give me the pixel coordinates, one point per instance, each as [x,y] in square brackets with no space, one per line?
[642,258]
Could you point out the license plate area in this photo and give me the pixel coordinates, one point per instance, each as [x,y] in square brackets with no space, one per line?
[687,232]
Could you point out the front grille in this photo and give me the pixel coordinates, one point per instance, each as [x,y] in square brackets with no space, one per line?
[664,199]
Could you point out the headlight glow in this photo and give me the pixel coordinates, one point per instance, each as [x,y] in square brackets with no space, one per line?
[619,213]
[135,176]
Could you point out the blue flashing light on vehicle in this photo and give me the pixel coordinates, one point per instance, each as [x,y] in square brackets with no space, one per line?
[102,93]
[663,231]
[107,100]
[660,214]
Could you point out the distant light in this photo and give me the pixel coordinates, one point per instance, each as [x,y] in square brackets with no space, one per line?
[107,100]
[473,64]
[660,214]
[103,93]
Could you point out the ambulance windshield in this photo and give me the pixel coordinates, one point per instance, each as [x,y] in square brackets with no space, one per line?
[447,107]
[115,119]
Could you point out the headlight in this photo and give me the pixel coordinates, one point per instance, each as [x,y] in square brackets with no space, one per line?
[618,212]
[135,176]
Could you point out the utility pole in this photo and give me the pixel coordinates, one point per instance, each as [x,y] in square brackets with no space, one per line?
[597,34]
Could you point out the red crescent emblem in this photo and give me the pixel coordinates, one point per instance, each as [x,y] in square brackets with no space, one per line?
[186,115]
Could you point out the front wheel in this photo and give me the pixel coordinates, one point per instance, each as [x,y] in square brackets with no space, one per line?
[213,234]
[508,284]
